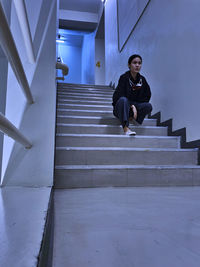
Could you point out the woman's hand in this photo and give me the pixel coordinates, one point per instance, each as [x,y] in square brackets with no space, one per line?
[134,112]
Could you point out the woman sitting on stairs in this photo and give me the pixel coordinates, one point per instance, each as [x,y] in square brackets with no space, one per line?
[131,97]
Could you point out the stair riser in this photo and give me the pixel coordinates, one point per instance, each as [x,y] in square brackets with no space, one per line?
[102,121]
[126,177]
[86,102]
[85,107]
[62,97]
[110,130]
[108,96]
[142,142]
[112,157]
[94,87]
[85,91]
[95,113]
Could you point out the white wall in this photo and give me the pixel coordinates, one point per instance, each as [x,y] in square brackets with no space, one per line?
[78,16]
[100,56]
[168,38]
[3,77]
[33,167]
[128,17]
[7,8]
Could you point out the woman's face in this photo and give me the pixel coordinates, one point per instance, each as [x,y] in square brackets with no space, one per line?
[135,65]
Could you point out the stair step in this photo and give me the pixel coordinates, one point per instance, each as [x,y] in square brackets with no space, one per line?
[118,156]
[68,85]
[79,176]
[79,112]
[85,107]
[108,129]
[98,120]
[74,93]
[104,140]
[85,102]
[74,97]
[83,91]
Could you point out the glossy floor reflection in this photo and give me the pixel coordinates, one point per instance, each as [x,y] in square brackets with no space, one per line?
[129,227]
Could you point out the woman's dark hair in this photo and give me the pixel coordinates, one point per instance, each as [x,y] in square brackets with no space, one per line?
[132,57]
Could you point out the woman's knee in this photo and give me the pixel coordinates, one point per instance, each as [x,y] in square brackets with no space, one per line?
[123,100]
[148,107]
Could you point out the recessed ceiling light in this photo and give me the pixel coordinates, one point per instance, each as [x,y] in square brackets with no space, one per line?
[60,41]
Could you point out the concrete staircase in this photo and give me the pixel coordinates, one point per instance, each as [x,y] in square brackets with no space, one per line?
[91,150]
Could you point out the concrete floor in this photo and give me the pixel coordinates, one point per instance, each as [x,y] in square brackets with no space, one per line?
[23,213]
[127,227]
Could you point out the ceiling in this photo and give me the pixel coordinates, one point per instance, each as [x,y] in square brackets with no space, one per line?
[90,6]
[71,38]
[81,5]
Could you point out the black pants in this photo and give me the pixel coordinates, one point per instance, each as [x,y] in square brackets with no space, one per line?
[123,111]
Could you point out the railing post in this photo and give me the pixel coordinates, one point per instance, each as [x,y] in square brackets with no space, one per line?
[8,128]
[8,45]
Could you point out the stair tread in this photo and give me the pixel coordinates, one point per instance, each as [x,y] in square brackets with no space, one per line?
[127,149]
[82,105]
[119,136]
[72,167]
[84,85]
[83,101]
[94,117]
[105,125]
[86,92]
[89,111]
[87,97]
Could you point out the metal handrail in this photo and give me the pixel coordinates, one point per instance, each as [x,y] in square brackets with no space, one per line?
[9,129]
[8,45]
[64,68]
[25,28]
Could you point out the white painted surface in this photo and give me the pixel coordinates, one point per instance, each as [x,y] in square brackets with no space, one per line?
[9,129]
[23,213]
[81,5]
[100,56]
[25,28]
[33,12]
[78,16]
[168,38]
[37,122]
[3,91]
[7,8]
[128,11]
[3,77]
[115,227]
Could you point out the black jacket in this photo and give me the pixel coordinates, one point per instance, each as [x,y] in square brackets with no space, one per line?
[124,88]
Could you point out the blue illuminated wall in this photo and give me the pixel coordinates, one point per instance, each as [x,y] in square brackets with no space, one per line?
[71,56]
[77,52]
[88,59]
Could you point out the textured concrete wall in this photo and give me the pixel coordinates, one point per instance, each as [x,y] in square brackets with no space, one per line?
[168,38]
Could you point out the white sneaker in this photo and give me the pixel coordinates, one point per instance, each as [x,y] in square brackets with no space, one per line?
[130,133]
